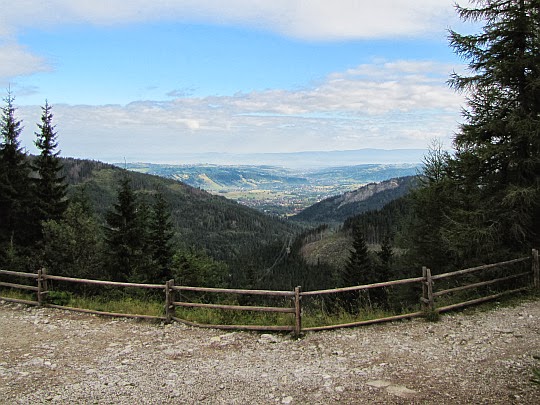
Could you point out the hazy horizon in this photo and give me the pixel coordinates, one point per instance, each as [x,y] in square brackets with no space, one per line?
[305,159]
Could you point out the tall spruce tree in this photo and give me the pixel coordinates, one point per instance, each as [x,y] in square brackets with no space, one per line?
[160,239]
[15,184]
[358,271]
[124,239]
[358,268]
[51,188]
[497,162]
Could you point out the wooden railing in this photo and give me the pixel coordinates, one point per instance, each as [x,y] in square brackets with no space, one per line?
[528,279]
[429,295]
[294,309]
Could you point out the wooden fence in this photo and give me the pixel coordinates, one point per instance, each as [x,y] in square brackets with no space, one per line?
[524,279]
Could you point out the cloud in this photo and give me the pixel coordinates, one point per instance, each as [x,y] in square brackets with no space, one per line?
[312,20]
[16,60]
[387,104]
[185,92]
[303,19]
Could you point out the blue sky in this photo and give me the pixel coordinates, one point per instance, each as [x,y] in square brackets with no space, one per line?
[156,80]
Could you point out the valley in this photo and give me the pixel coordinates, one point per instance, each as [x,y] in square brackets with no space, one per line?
[276,190]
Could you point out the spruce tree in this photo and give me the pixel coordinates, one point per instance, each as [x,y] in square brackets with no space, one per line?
[124,239]
[431,201]
[497,163]
[73,245]
[386,252]
[15,187]
[160,239]
[50,187]
[358,271]
[358,268]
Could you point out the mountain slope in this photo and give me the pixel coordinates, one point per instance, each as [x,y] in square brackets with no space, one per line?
[370,197]
[219,226]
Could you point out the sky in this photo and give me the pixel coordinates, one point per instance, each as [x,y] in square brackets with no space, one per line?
[157,80]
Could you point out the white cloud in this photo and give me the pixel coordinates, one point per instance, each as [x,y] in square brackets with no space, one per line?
[305,19]
[348,110]
[15,60]
[302,19]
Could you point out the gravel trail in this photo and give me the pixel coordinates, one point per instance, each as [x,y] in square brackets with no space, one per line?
[60,357]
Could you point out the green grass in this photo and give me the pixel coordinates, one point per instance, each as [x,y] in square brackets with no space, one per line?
[315,313]
[16,294]
[127,305]
[228,317]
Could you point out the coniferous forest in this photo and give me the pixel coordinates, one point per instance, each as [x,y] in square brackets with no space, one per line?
[477,203]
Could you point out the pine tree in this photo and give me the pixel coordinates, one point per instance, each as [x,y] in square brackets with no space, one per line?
[160,239]
[497,161]
[73,245]
[358,268]
[124,239]
[14,181]
[386,252]
[50,186]
[358,271]
[431,201]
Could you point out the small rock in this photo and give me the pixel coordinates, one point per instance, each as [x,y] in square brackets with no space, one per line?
[287,400]
[401,391]
[268,338]
[379,383]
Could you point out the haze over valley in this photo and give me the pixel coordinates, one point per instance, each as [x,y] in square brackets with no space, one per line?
[285,184]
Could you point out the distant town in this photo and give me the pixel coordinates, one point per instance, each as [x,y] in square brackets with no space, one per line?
[276,190]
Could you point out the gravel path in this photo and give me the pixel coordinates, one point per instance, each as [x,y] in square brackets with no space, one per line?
[54,356]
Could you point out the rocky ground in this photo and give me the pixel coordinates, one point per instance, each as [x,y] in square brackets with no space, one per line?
[476,357]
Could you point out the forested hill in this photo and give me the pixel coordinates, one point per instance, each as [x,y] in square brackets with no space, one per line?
[219,226]
[370,197]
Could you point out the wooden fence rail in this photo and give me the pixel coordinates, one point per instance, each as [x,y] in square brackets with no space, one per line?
[294,309]
[530,278]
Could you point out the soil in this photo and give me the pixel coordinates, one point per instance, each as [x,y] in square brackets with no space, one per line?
[472,357]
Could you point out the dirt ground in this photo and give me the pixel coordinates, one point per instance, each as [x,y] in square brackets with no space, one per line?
[474,357]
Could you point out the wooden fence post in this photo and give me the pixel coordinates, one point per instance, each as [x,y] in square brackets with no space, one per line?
[39,286]
[429,281]
[297,312]
[424,298]
[428,300]
[169,299]
[535,269]
[42,286]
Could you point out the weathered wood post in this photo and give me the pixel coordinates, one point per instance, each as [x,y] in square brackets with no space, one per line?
[297,311]
[42,286]
[429,281]
[428,300]
[424,298]
[169,299]
[535,269]
[39,286]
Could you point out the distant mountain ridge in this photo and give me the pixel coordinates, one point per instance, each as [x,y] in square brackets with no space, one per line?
[212,177]
[306,159]
[370,197]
